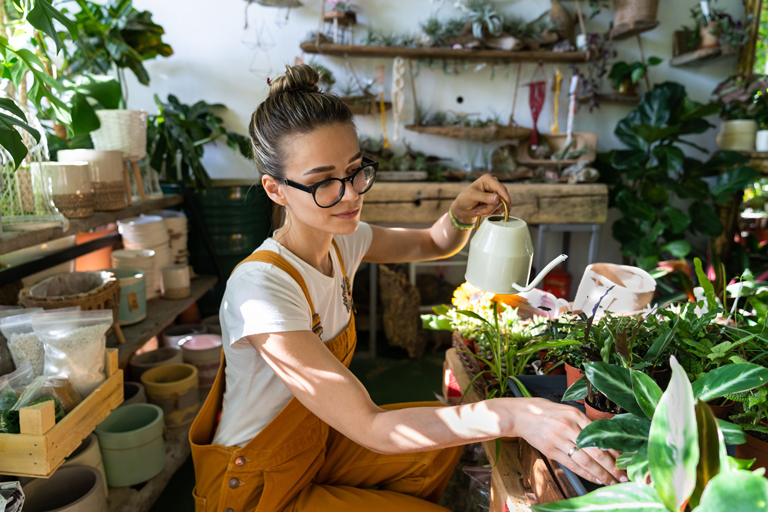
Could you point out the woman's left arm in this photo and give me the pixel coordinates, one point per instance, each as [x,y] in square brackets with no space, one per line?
[443,239]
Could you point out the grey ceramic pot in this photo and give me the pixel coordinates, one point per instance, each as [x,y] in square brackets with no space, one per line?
[70,489]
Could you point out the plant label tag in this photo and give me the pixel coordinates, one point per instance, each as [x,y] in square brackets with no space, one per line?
[133,302]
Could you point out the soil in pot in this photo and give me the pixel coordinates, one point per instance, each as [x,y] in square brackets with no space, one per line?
[754,448]
[550,366]
[721,407]
[662,376]
[601,408]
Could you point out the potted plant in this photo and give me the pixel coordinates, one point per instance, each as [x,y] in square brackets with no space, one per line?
[342,14]
[674,453]
[715,28]
[625,76]
[735,97]
[760,104]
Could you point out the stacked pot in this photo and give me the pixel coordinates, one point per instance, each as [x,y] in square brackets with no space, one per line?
[148,232]
[177,226]
[142,260]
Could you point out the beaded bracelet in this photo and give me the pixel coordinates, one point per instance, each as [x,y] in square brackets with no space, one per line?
[459,225]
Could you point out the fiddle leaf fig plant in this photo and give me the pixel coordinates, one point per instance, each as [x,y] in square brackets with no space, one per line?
[648,178]
[681,455]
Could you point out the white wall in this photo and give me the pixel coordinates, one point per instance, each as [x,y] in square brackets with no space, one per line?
[215,59]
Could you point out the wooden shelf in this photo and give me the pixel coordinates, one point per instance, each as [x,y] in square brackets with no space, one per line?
[627,30]
[160,314]
[341,50]
[13,241]
[696,56]
[130,499]
[614,97]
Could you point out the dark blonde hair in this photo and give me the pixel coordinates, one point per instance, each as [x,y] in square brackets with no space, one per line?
[295,105]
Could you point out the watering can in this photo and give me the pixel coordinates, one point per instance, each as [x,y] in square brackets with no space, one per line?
[501,254]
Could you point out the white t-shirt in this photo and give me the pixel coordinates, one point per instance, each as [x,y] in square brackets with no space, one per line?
[261,298]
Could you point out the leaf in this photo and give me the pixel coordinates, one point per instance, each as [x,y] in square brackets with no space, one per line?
[677,248]
[624,433]
[736,464]
[732,433]
[729,379]
[647,392]
[673,453]
[709,450]
[634,207]
[673,158]
[741,489]
[472,314]
[523,390]
[676,220]
[651,133]
[638,468]
[41,17]
[654,61]
[103,89]
[624,460]
[733,181]
[84,118]
[11,140]
[661,343]
[615,383]
[616,497]
[631,159]
[704,220]
[704,282]
[577,391]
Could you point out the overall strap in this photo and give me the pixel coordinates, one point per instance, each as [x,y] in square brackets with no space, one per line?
[341,261]
[275,259]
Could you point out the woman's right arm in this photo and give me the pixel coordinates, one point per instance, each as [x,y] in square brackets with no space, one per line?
[329,390]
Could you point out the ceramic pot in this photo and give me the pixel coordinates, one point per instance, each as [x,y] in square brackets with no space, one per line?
[737,135]
[753,449]
[89,454]
[627,88]
[70,489]
[204,352]
[132,446]
[172,335]
[213,323]
[174,388]
[595,414]
[709,35]
[722,412]
[148,360]
[133,295]
[761,141]
[133,393]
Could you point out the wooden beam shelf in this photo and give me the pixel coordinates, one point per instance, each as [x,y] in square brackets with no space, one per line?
[14,240]
[627,30]
[614,97]
[160,314]
[364,51]
[479,133]
[701,55]
[424,203]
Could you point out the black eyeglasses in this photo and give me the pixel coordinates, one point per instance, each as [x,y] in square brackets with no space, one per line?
[329,192]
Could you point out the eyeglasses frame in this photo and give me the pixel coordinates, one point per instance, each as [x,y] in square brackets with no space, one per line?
[366,162]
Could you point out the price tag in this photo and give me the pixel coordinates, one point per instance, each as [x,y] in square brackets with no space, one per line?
[133,302]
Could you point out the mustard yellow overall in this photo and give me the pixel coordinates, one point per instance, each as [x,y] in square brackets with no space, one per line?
[300,463]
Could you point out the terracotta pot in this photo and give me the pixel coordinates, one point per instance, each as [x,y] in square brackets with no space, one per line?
[753,449]
[595,414]
[627,87]
[722,412]
[560,370]
[572,374]
[709,40]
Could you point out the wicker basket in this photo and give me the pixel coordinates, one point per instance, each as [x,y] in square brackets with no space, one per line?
[469,362]
[485,134]
[122,130]
[627,12]
[104,292]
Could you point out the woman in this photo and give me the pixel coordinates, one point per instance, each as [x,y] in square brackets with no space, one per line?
[295,430]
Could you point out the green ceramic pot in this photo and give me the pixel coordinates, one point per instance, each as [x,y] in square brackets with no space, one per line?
[132,446]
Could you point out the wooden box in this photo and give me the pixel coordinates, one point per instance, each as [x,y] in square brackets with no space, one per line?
[42,446]
[556,141]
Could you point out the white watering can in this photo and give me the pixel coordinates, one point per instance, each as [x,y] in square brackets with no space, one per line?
[501,254]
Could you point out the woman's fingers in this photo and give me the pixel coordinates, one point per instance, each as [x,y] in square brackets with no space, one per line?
[607,461]
[598,471]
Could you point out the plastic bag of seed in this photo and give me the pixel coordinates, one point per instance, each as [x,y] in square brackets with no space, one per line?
[75,344]
[23,343]
[6,361]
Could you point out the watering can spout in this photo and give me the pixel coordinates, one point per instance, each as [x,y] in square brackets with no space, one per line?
[541,275]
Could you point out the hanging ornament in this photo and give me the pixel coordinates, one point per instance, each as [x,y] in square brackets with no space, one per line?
[537,94]
[398,93]
[556,85]
[379,77]
[574,103]
[260,41]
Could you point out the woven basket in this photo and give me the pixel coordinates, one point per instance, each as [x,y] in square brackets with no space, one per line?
[629,11]
[103,296]
[122,130]
[486,133]
[469,362]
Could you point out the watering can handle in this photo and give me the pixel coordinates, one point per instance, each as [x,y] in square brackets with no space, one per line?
[541,275]
[506,212]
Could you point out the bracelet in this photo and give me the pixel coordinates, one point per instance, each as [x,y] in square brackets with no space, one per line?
[459,225]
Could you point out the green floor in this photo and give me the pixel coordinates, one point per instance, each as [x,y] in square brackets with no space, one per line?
[388,380]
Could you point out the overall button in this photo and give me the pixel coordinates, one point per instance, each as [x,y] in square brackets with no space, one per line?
[228,510]
[240,462]
[233,483]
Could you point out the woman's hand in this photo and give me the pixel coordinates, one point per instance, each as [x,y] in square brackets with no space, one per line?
[553,428]
[479,198]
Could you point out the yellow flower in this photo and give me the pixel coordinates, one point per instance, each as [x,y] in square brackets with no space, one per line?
[466,295]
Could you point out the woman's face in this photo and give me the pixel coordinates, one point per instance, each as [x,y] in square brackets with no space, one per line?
[331,151]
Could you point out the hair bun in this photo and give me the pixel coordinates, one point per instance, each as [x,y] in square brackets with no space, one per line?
[301,78]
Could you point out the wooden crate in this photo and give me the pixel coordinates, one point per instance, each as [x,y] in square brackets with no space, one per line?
[42,446]
[544,480]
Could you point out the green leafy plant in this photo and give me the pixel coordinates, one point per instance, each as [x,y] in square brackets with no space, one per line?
[647,178]
[731,33]
[678,445]
[115,37]
[633,72]
[182,131]
[740,96]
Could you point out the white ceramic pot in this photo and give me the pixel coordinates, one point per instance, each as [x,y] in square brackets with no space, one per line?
[67,178]
[761,140]
[105,165]
[88,454]
[737,135]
